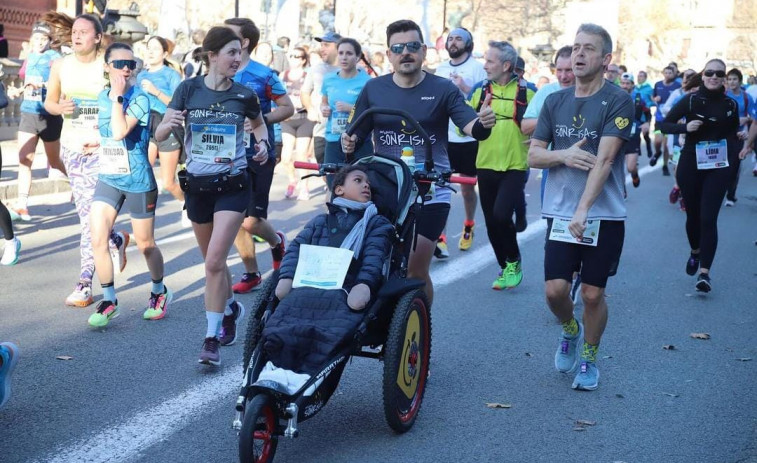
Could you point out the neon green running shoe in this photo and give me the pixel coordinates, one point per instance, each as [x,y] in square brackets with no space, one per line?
[500,283]
[106,311]
[513,274]
[158,304]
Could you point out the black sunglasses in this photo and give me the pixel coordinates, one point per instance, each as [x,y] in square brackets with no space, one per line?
[712,72]
[412,47]
[297,56]
[120,63]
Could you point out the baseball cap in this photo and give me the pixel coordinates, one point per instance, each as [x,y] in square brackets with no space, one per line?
[520,63]
[627,76]
[329,36]
[42,28]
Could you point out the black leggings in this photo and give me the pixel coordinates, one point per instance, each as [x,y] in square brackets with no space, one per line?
[501,193]
[703,192]
[5,217]
[731,193]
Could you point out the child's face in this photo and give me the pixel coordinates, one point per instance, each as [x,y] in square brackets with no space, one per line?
[355,188]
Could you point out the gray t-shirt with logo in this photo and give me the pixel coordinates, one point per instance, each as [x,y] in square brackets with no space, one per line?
[566,119]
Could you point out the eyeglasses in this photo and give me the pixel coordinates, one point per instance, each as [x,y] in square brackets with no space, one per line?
[712,72]
[412,47]
[121,63]
[297,56]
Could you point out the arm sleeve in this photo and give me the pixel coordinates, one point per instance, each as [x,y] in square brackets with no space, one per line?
[178,100]
[376,247]
[543,129]
[139,109]
[305,236]
[274,88]
[459,111]
[361,105]
[677,112]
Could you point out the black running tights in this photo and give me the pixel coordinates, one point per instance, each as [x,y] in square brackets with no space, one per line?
[703,192]
[500,193]
[5,217]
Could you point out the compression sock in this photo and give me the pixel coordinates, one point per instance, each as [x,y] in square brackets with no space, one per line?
[158,287]
[570,327]
[109,292]
[589,352]
[214,323]
[23,200]
[469,223]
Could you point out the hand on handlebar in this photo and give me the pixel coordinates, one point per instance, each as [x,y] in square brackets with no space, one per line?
[348,143]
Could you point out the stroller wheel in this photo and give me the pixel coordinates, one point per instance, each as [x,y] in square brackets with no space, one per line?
[258,439]
[406,359]
[254,327]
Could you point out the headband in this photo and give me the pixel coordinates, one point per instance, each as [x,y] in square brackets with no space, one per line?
[466,36]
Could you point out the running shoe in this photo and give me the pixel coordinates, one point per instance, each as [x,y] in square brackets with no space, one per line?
[14,216]
[636,181]
[566,357]
[278,251]
[81,295]
[258,239]
[674,195]
[466,240]
[704,285]
[692,265]
[729,203]
[665,171]
[156,308]
[304,195]
[653,159]
[230,324]
[9,355]
[118,252]
[23,213]
[499,283]
[513,274]
[441,251]
[754,172]
[10,253]
[209,354]
[249,282]
[575,289]
[106,311]
[290,191]
[587,378]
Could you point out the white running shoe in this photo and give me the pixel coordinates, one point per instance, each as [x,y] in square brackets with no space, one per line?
[10,253]
[81,295]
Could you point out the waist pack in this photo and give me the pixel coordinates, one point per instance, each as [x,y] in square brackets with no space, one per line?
[215,184]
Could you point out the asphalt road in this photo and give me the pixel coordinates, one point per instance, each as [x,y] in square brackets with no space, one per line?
[134,391]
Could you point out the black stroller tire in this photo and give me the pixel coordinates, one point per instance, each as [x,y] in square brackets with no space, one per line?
[258,427]
[254,327]
[406,360]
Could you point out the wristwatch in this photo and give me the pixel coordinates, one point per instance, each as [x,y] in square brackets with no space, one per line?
[116,99]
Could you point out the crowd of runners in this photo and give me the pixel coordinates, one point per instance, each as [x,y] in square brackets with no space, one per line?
[105,123]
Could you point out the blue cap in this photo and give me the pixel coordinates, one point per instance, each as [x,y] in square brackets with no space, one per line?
[329,36]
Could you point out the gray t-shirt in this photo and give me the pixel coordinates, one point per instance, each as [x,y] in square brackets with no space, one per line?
[214,140]
[312,86]
[566,119]
[432,103]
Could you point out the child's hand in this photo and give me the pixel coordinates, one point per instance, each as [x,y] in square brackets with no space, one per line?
[283,288]
[359,296]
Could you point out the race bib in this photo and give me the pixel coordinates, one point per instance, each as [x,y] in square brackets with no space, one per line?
[214,143]
[560,232]
[84,116]
[322,267]
[247,140]
[712,154]
[114,157]
[339,122]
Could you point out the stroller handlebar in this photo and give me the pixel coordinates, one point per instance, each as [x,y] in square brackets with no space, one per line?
[331,168]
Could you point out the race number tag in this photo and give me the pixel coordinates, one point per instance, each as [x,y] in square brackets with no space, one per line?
[339,122]
[322,267]
[214,143]
[31,93]
[712,154]
[114,157]
[247,141]
[560,232]
[84,116]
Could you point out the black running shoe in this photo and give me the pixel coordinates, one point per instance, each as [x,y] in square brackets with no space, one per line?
[703,283]
[665,171]
[653,159]
[692,265]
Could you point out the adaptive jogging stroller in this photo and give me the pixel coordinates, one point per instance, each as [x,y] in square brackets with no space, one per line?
[396,327]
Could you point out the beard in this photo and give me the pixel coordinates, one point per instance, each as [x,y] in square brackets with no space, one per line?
[456,53]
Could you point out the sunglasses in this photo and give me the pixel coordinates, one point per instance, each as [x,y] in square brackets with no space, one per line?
[297,56]
[121,63]
[712,72]
[412,47]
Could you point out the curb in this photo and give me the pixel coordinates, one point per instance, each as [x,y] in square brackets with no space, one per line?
[45,186]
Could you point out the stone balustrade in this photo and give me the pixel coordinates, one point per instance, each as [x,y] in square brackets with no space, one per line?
[10,115]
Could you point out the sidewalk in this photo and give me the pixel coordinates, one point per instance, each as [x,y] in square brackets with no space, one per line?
[41,184]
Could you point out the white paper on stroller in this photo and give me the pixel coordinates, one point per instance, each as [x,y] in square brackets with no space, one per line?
[290,380]
[322,267]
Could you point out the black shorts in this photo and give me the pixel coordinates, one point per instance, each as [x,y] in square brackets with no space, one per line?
[633,145]
[462,157]
[174,140]
[319,149]
[596,263]
[141,205]
[47,127]
[260,183]
[431,219]
[202,206]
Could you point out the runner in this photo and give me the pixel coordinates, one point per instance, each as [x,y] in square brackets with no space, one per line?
[734,81]
[36,123]
[432,101]
[464,71]
[587,126]
[217,187]
[705,169]
[9,353]
[311,91]
[501,163]
[646,91]
[339,93]
[72,91]
[126,178]
[160,81]
[660,95]
[266,84]
[641,116]
[612,74]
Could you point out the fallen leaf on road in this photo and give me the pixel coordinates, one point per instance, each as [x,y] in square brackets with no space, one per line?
[497,405]
[700,336]
[670,394]
[669,347]
[745,359]
[64,357]
[585,423]
[620,396]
